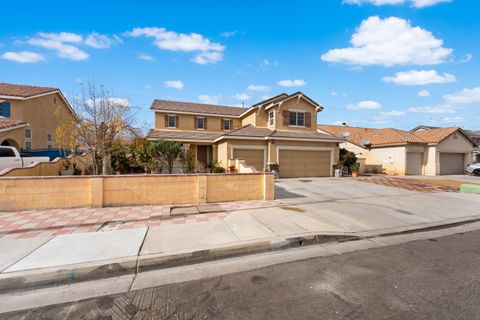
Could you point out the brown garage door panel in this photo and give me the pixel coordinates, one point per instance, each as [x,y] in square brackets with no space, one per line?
[452,163]
[252,157]
[299,163]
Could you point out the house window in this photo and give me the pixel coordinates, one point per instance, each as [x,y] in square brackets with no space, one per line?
[200,123]
[227,124]
[5,109]
[271,118]
[297,119]
[172,121]
[28,133]
[28,145]
[49,138]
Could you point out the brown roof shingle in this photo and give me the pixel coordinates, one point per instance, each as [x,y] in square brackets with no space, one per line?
[249,131]
[183,135]
[11,124]
[167,105]
[23,91]
[376,137]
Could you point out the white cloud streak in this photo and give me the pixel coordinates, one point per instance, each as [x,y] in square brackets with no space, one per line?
[365,105]
[23,56]
[175,84]
[420,77]
[414,3]
[292,83]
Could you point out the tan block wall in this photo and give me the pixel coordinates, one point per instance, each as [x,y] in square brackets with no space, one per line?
[187,122]
[39,193]
[46,169]
[44,114]
[393,160]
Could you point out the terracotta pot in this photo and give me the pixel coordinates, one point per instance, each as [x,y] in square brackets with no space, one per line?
[354,174]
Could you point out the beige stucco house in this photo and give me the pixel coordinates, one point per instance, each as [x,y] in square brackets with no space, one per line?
[276,133]
[436,151]
[30,115]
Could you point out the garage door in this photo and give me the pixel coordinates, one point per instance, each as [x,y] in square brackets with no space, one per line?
[254,158]
[452,163]
[298,163]
[414,163]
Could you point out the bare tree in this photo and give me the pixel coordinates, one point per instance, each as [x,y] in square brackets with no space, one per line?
[102,121]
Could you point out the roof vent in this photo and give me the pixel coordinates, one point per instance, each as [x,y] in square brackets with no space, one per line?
[366,142]
[345,134]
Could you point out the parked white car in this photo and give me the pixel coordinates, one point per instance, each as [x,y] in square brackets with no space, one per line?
[473,169]
[10,158]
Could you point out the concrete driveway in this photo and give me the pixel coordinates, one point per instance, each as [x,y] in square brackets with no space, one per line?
[349,205]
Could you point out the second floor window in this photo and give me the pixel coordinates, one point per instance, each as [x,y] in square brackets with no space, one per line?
[227,124]
[5,109]
[297,119]
[28,133]
[172,121]
[200,123]
[271,118]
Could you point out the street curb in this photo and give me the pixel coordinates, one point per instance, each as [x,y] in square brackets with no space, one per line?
[21,281]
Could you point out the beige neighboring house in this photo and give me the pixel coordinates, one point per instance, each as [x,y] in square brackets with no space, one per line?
[278,132]
[30,115]
[432,152]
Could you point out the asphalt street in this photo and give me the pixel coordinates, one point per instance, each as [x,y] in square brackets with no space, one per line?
[427,279]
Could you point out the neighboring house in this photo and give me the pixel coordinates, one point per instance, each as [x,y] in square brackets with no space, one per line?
[476,152]
[426,151]
[30,116]
[280,131]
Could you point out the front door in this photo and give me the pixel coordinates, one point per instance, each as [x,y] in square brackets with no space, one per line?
[202,154]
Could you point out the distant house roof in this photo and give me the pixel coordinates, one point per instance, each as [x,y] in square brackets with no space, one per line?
[23,91]
[437,135]
[374,137]
[422,127]
[190,107]
[9,124]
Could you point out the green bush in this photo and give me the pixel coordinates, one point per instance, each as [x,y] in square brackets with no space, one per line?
[347,158]
[218,170]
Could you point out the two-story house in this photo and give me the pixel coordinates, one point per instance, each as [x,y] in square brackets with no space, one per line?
[30,116]
[278,133]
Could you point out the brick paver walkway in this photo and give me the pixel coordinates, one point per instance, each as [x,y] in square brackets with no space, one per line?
[409,184]
[27,224]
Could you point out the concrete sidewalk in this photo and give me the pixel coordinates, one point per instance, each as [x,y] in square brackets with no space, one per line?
[360,210]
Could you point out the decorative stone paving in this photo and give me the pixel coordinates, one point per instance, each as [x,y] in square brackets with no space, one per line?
[27,224]
[409,184]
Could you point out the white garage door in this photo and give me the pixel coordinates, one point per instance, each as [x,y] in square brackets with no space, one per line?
[452,163]
[300,163]
[414,163]
[252,157]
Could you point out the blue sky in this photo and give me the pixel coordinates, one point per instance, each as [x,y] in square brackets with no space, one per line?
[373,63]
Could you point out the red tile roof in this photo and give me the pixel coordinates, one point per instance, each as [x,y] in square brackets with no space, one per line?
[435,135]
[11,124]
[23,91]
[376,137]
[183,135]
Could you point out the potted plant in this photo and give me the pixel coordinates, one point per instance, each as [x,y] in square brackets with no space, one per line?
[67,168]
[354,168]
[231,169]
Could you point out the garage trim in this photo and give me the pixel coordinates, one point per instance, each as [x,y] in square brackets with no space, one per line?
[332,150]
[250,147]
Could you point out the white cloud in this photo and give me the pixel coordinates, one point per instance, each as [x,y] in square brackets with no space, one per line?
[241,96]
[60,42]
[333,93]
[452,102]
[415,3]
[175,84]
[258,87]
[466,96]
[452,119]
[389,42]
[424,93]
[101,41]
[23,56]
[419,77]
[468,58]
[228,34]
[205,98]
[207,51]
[292,83]
[365,105]
[393,113]
[145,57]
